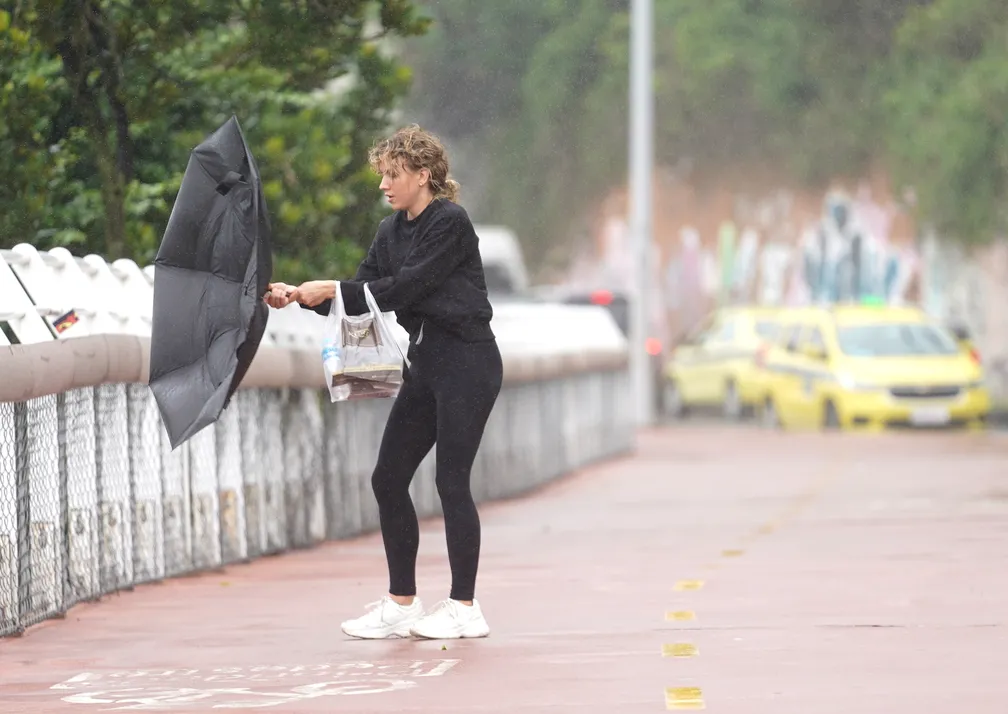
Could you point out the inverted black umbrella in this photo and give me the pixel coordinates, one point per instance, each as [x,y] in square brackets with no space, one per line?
[211,272]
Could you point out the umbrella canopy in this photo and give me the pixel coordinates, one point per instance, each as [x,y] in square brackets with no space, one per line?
[211,272]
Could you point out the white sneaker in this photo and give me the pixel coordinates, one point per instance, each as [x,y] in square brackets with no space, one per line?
[385,618]
[451,620]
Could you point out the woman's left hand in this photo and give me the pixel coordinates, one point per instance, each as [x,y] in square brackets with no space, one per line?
[314,292]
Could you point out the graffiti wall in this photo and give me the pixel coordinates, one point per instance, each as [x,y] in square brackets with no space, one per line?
[756,240]
[774,245]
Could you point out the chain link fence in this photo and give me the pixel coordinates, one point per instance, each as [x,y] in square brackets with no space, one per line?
[93,500]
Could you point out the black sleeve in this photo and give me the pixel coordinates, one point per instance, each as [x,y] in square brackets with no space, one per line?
[367,271]
[435,255]
[322,308]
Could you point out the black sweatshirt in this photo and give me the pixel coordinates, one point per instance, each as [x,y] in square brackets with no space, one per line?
[425,269]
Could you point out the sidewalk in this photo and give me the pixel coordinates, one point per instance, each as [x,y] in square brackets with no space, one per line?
[721,568]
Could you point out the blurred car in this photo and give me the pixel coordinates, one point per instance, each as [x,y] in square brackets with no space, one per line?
[856,366]
[717,365]
[618,305]
[503,262]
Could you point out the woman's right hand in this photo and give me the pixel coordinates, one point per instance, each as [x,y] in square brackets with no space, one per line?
[278,295]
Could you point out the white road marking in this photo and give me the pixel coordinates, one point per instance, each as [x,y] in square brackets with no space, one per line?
[243,687]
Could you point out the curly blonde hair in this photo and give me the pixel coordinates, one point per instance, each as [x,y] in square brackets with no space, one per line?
[415,149]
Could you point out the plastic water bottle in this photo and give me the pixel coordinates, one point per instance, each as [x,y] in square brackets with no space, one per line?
[331,355]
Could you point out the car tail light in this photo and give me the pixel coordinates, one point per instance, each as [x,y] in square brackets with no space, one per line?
[760,357]
[975,355]
[602,297]
[653,346]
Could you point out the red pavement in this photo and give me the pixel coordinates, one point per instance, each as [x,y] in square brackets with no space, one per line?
[817,574]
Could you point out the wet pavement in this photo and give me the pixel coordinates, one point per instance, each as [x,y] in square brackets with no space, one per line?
[726,569]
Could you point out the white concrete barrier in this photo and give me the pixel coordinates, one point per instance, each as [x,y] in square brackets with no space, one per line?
[93,499]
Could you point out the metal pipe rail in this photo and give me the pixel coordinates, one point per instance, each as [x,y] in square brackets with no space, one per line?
[93,500]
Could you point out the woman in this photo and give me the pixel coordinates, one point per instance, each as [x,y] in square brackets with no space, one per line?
[424,264]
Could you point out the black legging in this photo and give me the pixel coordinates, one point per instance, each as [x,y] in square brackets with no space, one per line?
[447,396]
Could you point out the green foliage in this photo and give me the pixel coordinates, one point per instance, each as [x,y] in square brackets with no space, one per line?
[510,90]
[947,105]
[818,88]
[104,100]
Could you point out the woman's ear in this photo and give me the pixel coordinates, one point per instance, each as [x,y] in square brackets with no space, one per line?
[424,177]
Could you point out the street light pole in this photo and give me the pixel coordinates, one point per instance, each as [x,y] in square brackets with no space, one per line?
[641,141]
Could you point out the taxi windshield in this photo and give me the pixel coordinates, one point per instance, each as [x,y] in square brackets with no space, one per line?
[895,339]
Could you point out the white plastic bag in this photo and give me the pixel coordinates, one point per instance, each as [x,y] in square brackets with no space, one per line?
[360,355]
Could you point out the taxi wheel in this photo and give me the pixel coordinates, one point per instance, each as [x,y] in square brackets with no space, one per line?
[831,420]
[768,415]
[732,407]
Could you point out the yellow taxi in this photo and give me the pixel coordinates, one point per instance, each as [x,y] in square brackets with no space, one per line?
[870,367]
[716,365]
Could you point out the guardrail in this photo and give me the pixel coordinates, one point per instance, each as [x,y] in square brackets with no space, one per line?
[94,501]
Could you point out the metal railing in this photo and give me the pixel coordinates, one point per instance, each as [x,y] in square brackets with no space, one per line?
[94,501]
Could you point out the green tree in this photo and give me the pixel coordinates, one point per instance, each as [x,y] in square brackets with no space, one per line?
[509,91]
[946,108]
[816,88]
[104,99]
